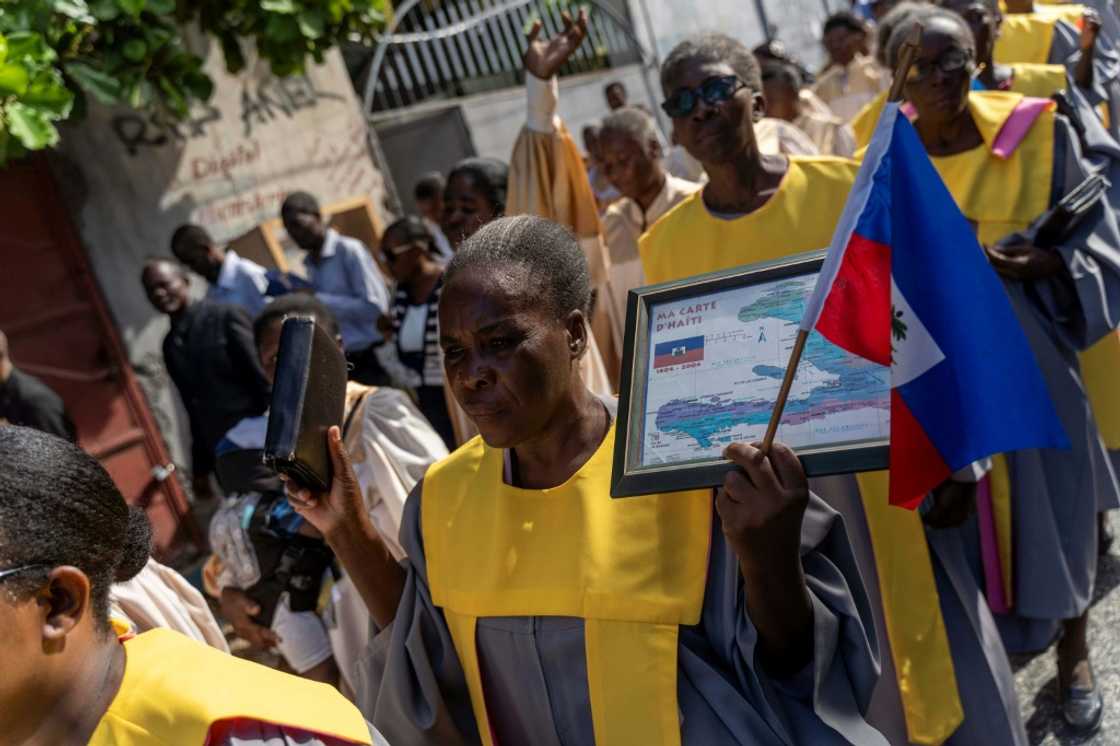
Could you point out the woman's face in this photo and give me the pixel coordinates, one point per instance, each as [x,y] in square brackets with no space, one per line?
[713,134]
[465,209]
[940,77]
[402,256]
[508,359]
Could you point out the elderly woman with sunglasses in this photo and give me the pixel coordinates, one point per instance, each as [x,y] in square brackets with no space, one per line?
[1007,159]
[536,609]
[946,678]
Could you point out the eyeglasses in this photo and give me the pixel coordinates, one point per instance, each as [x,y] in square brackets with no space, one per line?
[954,60]
[5,574]
[713,91]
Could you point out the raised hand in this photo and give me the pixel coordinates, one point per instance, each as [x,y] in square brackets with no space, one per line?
[342,507]
[544,58]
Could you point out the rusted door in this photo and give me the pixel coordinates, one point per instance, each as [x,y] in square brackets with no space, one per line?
[60,330]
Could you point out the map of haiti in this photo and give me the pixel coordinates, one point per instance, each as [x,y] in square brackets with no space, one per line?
[717,367]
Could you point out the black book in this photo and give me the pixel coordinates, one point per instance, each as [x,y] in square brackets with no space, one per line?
[1054,225]
[308,397]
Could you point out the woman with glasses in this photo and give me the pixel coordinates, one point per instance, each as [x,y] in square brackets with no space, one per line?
[946,678]
[1007,159]
[413,258]
[535,609]
[66,534]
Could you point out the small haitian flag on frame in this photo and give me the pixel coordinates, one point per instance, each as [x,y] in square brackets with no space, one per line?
[678,352]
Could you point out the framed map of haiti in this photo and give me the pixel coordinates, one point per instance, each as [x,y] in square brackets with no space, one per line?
[703,361]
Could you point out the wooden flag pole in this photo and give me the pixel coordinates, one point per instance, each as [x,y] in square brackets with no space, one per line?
[906,56]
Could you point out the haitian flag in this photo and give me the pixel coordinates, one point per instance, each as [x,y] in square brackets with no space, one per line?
[678,351]
[906,284]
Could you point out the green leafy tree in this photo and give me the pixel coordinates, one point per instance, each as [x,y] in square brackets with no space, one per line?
[55,53]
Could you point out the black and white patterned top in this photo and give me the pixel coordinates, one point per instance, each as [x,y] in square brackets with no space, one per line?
[416,328]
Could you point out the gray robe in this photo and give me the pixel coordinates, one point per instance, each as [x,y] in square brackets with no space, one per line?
[985,681]
[1057,493]
[412,686]
[1065,49]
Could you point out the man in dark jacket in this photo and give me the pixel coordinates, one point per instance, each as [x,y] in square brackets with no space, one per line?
[212,359]
[27,401]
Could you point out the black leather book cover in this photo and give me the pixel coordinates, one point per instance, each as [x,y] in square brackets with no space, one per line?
[308,397]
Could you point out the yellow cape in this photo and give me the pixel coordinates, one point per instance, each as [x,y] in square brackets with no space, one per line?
[174,689]
[634,570]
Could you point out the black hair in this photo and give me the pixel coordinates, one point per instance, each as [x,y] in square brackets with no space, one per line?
[155,261]
[429,186]
[783,73]
[923,15]
[776,51]
[58,506]
[614,84]
[547,250]
[295,304]
[887,25]
[191,235]
[300,203]
[713,47]
[844,19]
[631,122]
[490,175]
[411,228]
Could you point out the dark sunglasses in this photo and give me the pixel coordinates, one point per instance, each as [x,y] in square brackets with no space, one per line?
[954,60]
[713,91]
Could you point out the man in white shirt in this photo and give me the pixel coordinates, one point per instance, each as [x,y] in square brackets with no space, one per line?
[233,279]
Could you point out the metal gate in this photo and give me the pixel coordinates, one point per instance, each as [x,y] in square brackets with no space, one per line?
[60,330]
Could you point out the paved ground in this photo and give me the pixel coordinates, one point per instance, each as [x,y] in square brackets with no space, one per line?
[1035,677]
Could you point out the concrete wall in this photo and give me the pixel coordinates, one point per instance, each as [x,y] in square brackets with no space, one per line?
[129,181]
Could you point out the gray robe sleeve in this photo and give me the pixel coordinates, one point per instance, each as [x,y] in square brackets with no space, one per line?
[1065,49]
[825,703]
[410,682]
[1082,303]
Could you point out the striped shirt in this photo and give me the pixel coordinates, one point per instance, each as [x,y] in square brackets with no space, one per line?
[416,328]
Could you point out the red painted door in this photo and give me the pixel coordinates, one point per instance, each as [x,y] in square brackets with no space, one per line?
[60,330]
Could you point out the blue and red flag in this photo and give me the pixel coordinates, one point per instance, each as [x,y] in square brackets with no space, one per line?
[906,284]
[678,351]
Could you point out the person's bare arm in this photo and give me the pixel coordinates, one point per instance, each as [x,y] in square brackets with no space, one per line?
[545,57]
[340,516]
[1090,28]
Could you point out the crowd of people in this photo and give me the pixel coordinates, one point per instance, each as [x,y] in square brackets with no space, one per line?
[467,578]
